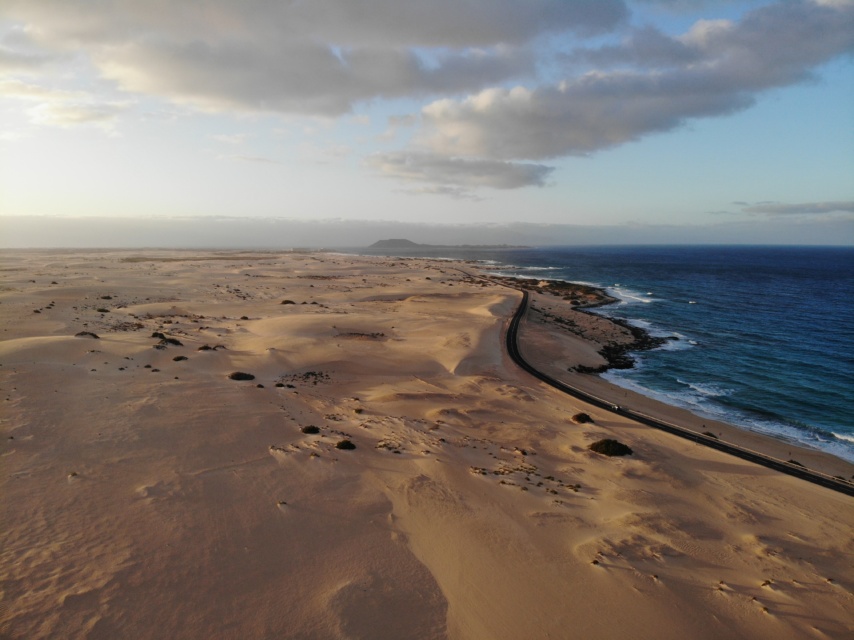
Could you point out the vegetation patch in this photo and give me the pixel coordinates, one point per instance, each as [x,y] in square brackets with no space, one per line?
[240,375]
[310,429]
[611,447]
[581,418]
[345,444]
[312,377]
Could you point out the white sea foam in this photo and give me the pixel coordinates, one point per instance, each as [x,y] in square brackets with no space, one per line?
[677,345]
[698,400]
[628,296]
[707,389]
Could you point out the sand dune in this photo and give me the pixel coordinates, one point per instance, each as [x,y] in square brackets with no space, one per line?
[147,495]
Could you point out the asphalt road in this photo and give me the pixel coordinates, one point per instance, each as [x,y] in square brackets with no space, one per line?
[797,471]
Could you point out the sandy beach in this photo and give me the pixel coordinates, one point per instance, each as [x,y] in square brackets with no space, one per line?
[148,494]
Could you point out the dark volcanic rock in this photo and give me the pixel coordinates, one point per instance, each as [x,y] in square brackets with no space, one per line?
[610,447]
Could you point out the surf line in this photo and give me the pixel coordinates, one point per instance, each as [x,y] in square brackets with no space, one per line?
[512,344]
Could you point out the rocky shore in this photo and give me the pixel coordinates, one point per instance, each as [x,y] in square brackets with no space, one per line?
[614,338]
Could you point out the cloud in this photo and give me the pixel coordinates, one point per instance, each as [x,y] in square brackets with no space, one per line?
[13,88]
[319,57]
[461,172]
[19,53]
[61,108]
[457,193]
[396,23]
[63,114]
[803,208]
[716,68]
[326,58]
[297,77]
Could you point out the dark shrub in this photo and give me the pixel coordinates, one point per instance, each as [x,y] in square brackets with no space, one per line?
[345,444]
[86,334]
[610,447]
[179,358]
[581,418]
[311,429]
[240,375]
[288,302]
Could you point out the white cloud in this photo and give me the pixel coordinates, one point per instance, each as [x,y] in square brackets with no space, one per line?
[66,114]
[61,108]
[714,69]
[344,23]
[802,208]
[323,58]
[19,53]
[297,76]
[465,172]
[13,88]
[318,57]
[457,193]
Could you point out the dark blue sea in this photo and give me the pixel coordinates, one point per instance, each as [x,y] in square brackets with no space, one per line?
[765,334]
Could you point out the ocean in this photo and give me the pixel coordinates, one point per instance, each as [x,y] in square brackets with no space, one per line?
[765,334]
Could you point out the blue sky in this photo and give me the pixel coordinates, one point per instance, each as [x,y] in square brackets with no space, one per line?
[602,113]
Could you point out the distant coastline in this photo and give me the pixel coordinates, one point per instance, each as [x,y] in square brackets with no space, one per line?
[401,244]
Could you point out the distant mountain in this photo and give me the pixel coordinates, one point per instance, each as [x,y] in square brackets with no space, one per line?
[396,243]
[401,243]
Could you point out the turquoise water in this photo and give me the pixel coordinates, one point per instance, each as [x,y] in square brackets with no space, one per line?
[765,334]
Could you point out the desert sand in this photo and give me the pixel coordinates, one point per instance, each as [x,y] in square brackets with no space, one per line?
[146,494]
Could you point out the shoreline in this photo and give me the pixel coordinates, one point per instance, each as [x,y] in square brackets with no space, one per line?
[607,343]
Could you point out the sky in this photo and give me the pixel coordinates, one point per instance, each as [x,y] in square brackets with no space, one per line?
[547,121]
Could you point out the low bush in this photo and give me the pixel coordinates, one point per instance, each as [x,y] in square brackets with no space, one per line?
[345,444]
[610,447]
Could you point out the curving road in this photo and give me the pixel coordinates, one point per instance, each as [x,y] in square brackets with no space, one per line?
[745,454]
